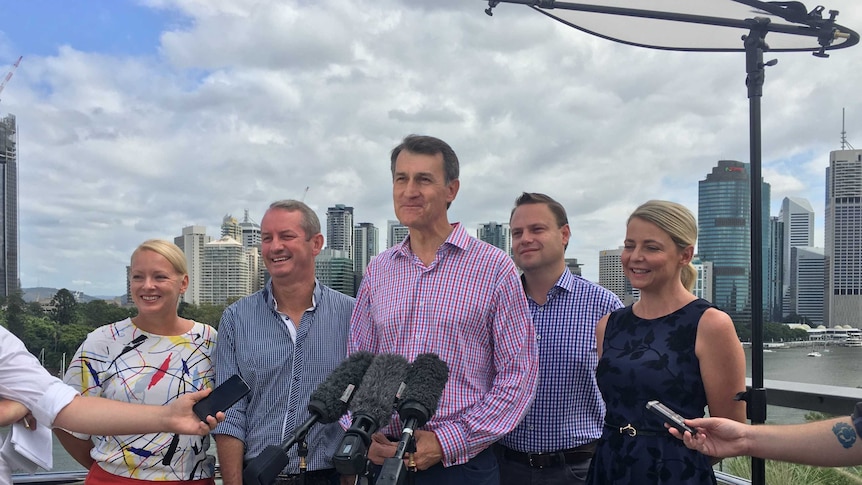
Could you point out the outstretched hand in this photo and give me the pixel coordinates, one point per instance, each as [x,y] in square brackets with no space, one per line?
[716,437]
[182,419]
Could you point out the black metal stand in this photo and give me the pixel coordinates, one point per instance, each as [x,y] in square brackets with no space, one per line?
[755,44]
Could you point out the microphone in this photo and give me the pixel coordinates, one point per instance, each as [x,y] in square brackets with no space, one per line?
[326,404]
[423,388]
[372,407]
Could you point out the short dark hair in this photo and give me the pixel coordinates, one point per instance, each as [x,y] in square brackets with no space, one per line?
[310,222]
[428,145]
[556,208]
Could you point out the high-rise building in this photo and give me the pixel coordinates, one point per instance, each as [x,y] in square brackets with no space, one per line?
[775,273]
[395,233]
[9,279]
[724,227]
[334,269]
[365,245]
[496,234]
[574,266]
[703,283]
[250,232]
[225,271]
[807,282]
[844,238]
[192,241]
[339,229]
[613,278]
[230,227]
[797,217]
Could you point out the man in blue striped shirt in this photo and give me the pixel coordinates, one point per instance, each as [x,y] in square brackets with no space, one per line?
[554,443]
[284,341]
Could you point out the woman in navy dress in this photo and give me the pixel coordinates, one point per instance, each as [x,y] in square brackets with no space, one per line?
[669,346]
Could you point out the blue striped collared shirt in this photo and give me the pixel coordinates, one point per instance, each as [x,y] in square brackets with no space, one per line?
[254,342]
[568,410]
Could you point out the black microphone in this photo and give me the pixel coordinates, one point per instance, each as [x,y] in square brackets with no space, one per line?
[326,404]
[423,388]
[372,408]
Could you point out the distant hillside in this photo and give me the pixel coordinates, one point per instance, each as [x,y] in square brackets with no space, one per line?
[42,293]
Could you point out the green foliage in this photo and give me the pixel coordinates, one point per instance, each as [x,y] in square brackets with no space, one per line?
[96,313]
[204,313]
[772,332]
[15,313]
[793,474]
[65,308]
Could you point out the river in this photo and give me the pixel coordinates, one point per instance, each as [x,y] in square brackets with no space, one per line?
[839,366]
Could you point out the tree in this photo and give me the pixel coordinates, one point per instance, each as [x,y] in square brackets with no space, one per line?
[65,311]
[15,313]
[96,313]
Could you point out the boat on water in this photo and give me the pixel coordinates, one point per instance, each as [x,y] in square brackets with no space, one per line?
[814,353]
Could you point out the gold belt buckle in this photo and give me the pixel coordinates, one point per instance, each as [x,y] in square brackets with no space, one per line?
[629,430]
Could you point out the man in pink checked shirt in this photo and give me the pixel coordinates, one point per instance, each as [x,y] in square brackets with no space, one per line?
[445,292]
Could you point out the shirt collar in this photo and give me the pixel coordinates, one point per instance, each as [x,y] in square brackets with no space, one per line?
[457,238]
[315,296]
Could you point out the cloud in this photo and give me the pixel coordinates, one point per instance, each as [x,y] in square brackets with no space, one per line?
[252,101]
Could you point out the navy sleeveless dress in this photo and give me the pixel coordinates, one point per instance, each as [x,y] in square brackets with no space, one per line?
[643,360]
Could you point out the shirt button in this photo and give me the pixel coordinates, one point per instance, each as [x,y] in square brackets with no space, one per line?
[538,337]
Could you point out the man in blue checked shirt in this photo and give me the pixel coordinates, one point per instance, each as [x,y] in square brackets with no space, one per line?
[555,442]
[284,341]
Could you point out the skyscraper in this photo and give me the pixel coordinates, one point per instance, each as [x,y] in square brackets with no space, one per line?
[496,234]
[724,225]
[365,245]
[250,232]
[339,229]
[334,269]
[9,205]
[230,227]
[395,233]
[226,275]
[797,219]
[807,276]
[613,278]
[844,238]
[192,241]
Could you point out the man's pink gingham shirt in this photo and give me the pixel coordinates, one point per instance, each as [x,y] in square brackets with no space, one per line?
[469,308]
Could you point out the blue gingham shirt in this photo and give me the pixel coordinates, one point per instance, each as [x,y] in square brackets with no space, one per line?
[568,410]
[254,342]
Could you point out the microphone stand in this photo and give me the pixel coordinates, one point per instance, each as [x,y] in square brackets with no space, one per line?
[302,452]
[394,471]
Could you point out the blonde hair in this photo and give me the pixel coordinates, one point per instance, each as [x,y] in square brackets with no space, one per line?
[679,223]
[169,250]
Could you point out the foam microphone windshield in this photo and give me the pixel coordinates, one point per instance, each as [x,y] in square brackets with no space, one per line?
[326,404]
[329,401]
[372,408]
[424,385]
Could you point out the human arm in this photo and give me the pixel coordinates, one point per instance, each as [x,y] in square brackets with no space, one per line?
[230,456]
[833,442]
[11,411]
[104,417]
[232,431]
[79,449]
[600,334]
[722,364]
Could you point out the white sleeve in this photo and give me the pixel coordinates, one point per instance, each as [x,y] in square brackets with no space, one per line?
[23,379]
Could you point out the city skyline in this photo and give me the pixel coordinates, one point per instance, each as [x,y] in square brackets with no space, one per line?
[139,119]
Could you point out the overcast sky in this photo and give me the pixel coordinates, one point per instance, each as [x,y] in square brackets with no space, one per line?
[137,119]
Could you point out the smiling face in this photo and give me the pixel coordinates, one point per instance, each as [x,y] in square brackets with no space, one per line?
[156,285]
[288,253]
[420,192]
[650,258]
[537,241]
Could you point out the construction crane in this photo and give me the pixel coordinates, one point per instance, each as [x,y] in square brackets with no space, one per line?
[9,76]
[304,193]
